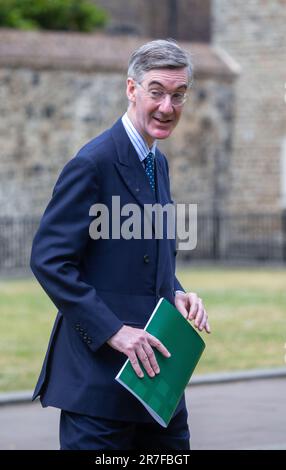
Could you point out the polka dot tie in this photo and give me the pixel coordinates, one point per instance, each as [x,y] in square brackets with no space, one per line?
[149,168]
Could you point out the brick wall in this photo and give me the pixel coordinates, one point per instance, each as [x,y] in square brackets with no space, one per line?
[253,33]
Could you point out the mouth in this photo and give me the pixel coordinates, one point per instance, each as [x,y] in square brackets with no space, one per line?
[162,121]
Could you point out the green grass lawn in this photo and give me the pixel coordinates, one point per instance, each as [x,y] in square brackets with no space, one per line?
[246,308]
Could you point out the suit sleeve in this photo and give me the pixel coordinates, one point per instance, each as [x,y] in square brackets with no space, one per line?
[57,251]
[178,286]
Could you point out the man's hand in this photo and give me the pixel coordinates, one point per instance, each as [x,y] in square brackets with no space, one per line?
[137,343]
[192,308]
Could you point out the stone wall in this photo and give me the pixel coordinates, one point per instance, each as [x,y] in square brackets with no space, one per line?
[48,116]
[253,32]
[59,90]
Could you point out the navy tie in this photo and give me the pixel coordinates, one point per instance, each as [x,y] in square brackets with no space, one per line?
[149,168]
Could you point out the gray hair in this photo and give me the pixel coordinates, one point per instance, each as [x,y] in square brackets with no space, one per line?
[158,54]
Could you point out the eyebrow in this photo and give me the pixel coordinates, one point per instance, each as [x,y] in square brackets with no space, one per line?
[154,82]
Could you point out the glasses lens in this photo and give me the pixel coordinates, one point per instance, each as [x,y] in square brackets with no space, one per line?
[178,99]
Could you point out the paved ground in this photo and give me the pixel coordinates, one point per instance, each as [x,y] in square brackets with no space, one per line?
[241,415]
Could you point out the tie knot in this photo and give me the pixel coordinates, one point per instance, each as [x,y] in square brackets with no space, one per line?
[149,157]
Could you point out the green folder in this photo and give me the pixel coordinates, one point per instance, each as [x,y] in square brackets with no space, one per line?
[161,394]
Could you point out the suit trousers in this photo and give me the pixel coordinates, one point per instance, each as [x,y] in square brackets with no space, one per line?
[81,432]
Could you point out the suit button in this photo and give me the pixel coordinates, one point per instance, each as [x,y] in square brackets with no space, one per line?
[146,259]
[175,252]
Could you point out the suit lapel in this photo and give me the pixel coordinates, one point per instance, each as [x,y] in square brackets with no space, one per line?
[135,178]
[130,167]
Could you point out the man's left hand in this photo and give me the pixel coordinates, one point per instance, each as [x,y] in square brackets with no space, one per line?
[192,308]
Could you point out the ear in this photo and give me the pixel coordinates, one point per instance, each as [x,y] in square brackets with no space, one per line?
[131,89]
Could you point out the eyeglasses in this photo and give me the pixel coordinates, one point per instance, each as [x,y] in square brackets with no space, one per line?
[178,98]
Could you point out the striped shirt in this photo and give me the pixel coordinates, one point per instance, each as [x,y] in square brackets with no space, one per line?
[137,140]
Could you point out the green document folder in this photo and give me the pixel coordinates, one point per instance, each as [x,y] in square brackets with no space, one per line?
[161,394]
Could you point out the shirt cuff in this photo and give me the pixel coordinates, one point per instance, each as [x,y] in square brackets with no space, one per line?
[181,291]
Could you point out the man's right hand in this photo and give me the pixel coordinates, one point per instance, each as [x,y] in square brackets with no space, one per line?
[137,343]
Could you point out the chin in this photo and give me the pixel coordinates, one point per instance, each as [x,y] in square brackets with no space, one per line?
[162,134]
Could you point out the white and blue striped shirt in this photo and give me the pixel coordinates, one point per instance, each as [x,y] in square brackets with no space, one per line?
[137,140]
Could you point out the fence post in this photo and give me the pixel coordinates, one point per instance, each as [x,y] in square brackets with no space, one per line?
[216,235]
[284,235]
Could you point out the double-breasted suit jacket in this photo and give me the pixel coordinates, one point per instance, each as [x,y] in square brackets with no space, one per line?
[99,285]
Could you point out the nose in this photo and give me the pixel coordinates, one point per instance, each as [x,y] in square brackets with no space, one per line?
[166,105]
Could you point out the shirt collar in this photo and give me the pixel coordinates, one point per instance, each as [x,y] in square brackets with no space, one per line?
[137,140]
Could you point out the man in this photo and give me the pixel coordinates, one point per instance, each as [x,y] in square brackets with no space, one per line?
[106,289]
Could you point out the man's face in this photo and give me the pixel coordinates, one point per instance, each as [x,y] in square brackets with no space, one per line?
[155,120]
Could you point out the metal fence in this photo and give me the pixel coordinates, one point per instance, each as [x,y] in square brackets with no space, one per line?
[16,235]
[248,237]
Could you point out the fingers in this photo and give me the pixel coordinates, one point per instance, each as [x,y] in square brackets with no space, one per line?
[207,327]
[152,358]
[181,304]
[148,360]
[135,364]
[203,320]
[198,313]
[181,307]
[194,305]
[143,351]
[158,345]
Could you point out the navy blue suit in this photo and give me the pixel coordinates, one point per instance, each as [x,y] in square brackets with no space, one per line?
[98,285]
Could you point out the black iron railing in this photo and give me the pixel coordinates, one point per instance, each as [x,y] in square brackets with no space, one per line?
[249,237]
